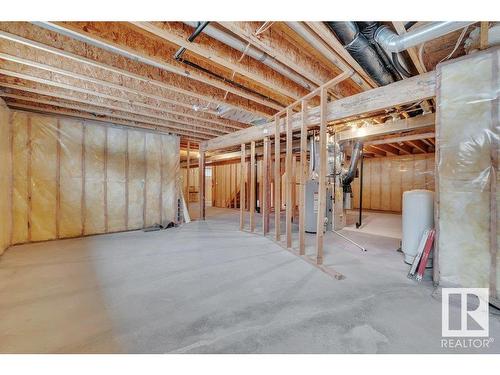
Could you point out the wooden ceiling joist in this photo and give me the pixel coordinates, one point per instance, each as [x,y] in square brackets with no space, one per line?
[102,119]
[94,93]
[139,96]
[126,41]
[58,93]
[279,48]
[172,126]
[94,108]
[124,71]
[219,53]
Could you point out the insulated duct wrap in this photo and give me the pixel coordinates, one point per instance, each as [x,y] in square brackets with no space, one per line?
[361,50]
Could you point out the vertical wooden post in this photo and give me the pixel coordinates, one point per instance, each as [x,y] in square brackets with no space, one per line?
[294,185]
[303,179]
[288,171]
[277,180]
[188,162]
[242,187]
[201,176]
[322,179]
[265,187]
[483,36]
[252,186]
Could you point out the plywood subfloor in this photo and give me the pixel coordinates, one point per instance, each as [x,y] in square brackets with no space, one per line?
[207,287]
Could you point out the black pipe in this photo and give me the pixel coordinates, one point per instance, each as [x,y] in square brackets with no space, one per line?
[191,38]
[362,50]
[360,220]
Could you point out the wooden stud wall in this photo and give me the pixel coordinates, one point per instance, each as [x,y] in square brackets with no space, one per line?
[73,177]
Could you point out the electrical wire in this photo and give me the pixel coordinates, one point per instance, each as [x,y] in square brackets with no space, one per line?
[460,38]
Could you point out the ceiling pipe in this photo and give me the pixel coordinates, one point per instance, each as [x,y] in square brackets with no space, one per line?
[394,43]
[254,53]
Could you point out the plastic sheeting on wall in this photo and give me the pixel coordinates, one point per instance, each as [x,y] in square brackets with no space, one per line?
[73,177]
[385,179]
[467,132]
[5,177]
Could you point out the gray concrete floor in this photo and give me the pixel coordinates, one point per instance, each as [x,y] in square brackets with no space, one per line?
[206,287]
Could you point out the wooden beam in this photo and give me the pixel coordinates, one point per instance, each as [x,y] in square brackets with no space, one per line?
[74,90]
[188,162]
[389,150]
[375,151]
[288,171]
[389,127]
[106,120]
[265,187]
[398,93]
[171,125]
[122,40]
[201,184]
[483,37]
[403,138]
[303,180]
[402,148]
[252,186]
[242,187]
[419,145]
[153,101]
[281,49]
[104,63]
[277,179]
[221,54]
[320,223]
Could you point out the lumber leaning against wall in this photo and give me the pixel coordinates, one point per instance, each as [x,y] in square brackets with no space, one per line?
[5,178]
[385,179]
[74,177]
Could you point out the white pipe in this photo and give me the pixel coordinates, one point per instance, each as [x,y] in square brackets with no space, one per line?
[254,53]
[393,42]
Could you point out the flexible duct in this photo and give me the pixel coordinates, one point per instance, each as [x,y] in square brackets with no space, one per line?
[254,53]
[362,51]
[393,42]
[348,177]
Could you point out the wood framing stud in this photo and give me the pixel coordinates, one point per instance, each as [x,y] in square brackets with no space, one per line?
[201,176]
[265,187]
[303,179]
[252,186]
[320,224]
[277,180]
[242,187]
[288,171]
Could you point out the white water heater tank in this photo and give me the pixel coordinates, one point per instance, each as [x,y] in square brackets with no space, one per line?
[418,215]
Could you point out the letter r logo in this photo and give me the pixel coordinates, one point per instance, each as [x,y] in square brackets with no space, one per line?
[477,315]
